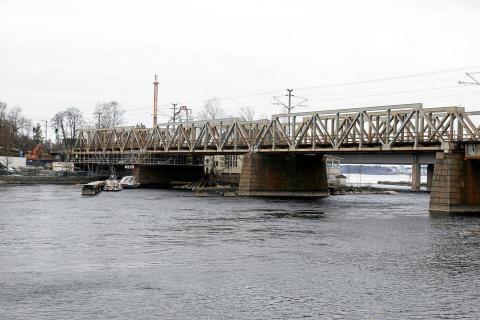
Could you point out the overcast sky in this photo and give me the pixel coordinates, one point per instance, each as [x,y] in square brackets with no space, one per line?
[57,54]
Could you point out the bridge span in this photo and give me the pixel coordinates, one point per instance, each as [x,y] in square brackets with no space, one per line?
[284,155]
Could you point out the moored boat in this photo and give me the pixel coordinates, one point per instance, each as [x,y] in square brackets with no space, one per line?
[112,184]
[129,182]
[92,188]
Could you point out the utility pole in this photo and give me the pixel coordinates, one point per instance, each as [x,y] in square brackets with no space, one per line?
[185,113]
[289,100]
[99,115]
[289,106]
[155,98]
[181,114]
[45,130]
[174,111]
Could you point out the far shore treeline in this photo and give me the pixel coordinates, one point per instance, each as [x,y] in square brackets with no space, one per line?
[18,133]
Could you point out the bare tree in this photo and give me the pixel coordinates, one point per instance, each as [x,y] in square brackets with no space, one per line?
[67,124]
[3,112]
[15,128]
[75,121]
[20,128]
[110,113]
[212,109]
[6,132]
[25,126]
[247,113]
[14,116]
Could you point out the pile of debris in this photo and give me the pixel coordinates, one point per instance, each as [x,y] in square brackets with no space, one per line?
[205,187]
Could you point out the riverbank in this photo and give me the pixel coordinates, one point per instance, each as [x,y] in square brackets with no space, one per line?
[59,180]
[400,183]
[367,190]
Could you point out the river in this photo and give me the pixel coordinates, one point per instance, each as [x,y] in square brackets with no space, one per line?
[164,254]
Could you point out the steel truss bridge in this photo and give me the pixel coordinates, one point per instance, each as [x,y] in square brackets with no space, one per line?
[407,128]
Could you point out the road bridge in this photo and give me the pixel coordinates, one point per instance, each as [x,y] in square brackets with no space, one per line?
[284,154]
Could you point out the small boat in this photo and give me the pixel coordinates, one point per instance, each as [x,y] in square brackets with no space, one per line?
[112,184]
[129,182]
[92,188]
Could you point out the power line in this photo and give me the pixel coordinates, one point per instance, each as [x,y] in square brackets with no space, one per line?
[279,102]
[470,96]
[417,98]
[413,75]
[408,76]
[391,92]
[475,81]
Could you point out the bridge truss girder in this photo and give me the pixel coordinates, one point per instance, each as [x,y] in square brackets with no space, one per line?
[387,128]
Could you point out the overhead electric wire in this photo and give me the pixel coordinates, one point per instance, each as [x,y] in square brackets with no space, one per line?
[391,92]
[413,75]
[407,76]
[470,96]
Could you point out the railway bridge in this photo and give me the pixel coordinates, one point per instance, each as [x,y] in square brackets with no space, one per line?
[284,155]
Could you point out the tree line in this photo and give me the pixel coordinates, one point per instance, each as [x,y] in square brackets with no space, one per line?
[67,123]
[17,132]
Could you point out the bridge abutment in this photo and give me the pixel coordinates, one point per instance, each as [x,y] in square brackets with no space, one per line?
[455,184]
[283,175]
[166,176]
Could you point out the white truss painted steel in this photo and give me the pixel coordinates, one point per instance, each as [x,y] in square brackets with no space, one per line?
[408,128]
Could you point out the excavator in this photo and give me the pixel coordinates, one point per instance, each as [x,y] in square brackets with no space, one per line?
[35,154]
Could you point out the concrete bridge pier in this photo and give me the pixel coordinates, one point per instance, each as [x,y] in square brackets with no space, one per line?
[283,175]
[455,184]
[416,174]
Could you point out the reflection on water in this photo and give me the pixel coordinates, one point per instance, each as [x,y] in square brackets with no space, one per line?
[150,254]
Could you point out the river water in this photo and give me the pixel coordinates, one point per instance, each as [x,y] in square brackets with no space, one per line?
[164,254]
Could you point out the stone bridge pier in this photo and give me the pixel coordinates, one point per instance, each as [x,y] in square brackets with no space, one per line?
[283,175]
[455,184]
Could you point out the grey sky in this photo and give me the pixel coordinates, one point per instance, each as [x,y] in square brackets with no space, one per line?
[56,54]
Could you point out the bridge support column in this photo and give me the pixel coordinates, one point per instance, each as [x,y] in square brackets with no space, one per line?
[283,175]
[416,175]
[430,168]
[455,184]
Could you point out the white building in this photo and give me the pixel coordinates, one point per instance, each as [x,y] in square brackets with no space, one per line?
[223,164]
[13,162]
